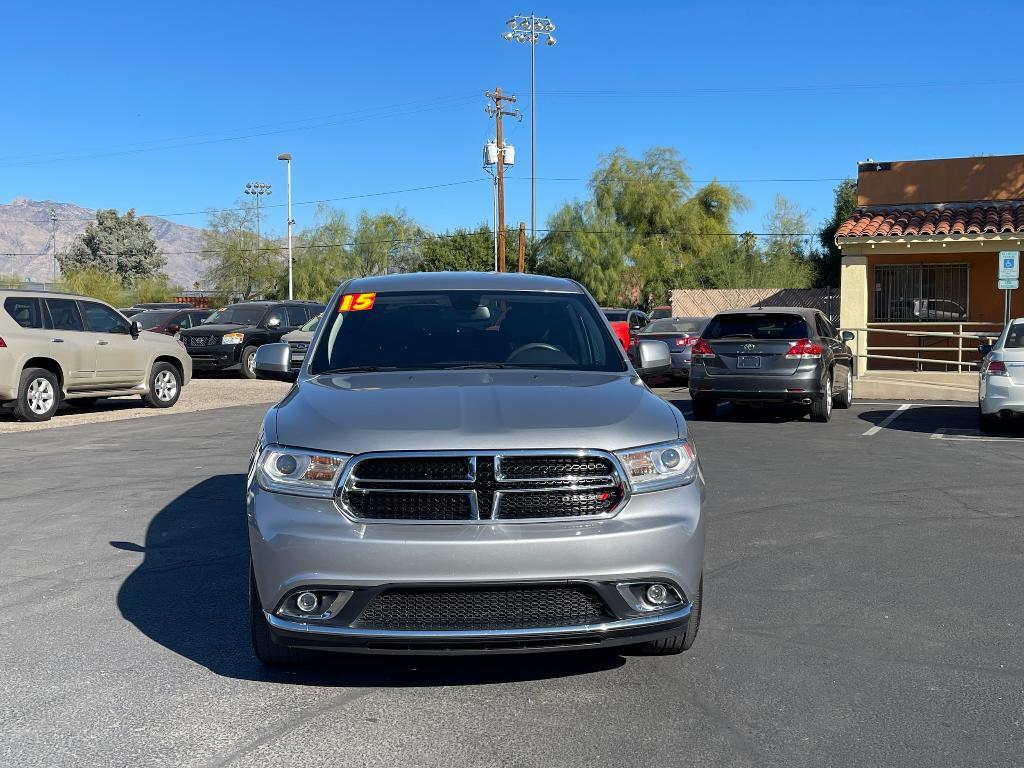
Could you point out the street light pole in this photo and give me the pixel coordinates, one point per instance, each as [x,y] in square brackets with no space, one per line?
[286,156]
[257,189]
[530,29]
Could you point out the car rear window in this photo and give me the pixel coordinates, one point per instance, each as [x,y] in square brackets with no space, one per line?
[1015,337]
[676,325]
[757,325]
[25,311]
[615,316]
[151,318]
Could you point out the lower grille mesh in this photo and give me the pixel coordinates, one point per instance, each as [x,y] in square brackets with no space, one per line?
[483,608]
[542,504]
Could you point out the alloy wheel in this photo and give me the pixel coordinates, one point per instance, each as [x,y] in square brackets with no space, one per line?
[250,362]
[828,394]
[165,385]
[39,396]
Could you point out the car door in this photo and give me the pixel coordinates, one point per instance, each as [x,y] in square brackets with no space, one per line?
[67,342]
[829,336]
[276,323]
[121,360]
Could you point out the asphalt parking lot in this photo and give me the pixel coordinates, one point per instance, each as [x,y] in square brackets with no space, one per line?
[863,583]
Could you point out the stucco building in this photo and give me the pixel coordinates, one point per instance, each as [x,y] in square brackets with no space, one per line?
[920,256]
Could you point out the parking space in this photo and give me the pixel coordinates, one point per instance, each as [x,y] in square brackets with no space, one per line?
[860,610]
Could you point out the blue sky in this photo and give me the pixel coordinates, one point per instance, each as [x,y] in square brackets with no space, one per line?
[171,107]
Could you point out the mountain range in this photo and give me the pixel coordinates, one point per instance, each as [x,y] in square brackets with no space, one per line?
[26,249]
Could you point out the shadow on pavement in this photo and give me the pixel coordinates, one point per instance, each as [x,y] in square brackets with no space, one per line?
[189,595]
[767,413]
[929,419]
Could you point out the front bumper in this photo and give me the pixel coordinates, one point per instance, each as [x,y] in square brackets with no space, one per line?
[794,388]
[216,357]
[303,543]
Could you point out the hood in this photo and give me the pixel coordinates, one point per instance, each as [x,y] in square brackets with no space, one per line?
[298,336]
[472,410]
[216,328]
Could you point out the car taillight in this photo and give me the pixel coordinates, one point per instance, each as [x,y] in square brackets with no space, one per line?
[805,349]
[2,342]
[702,349]
[995,368]
[686,341]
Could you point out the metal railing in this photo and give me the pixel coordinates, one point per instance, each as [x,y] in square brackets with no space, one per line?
[947,350]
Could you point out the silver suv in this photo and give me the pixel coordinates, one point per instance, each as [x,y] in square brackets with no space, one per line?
[468,462]
[56,346]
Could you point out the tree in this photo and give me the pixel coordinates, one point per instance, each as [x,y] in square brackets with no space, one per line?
[96,283]
[785,260]
[235,266]
[119,245]
[323,258]
[831,258]
[386,242]
[462,250]
[643,226]
[153,289]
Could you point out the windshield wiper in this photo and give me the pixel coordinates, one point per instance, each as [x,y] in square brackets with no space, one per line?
[359,369]
[469,366]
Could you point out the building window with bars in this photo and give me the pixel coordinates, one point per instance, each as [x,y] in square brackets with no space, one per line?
[921,293]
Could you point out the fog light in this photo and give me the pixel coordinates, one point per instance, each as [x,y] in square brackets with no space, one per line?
[657,594]
[306,602]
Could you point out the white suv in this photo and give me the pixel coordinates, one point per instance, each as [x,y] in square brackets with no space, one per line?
[56,346]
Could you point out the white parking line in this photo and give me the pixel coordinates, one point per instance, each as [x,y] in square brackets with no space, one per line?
[886,421]
[970,435]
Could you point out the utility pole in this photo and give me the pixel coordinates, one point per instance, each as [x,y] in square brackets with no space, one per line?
[497,111]
[522,246]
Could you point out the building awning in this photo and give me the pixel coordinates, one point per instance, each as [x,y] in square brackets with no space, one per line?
[941,219]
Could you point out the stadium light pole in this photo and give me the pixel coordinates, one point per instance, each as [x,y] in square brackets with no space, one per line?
[286,156]
[532,29]
[257,189]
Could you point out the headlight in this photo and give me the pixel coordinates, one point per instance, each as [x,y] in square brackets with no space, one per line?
[665,465]
[232,338]
[304,473]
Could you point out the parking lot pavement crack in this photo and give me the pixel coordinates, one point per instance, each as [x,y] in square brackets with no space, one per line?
[286,725]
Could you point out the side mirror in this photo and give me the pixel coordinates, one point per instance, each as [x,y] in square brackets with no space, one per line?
[849,335]
[984,349]
[136,329]
[652,359]
[172,329]
[273,361]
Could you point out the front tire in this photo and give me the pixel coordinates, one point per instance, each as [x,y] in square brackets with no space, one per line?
[164,386]
[673,644]
[247,367]
[263,645]
[821,409]
[38,395]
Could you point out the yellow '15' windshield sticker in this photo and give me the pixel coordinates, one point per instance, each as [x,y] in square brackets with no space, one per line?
[356,302]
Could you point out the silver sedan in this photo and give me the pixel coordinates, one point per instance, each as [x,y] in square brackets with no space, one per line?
[1001,386]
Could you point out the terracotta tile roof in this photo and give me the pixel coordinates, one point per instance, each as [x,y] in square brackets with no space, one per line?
[944,219]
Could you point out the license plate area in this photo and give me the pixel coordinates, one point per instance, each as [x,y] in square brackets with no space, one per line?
[748,361]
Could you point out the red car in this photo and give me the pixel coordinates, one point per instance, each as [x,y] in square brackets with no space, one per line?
[626,323]
[170,321]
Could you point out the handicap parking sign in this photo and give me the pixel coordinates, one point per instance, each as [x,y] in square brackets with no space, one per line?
[1009,265]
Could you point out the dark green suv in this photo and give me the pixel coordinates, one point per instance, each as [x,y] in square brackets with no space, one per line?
[229,338]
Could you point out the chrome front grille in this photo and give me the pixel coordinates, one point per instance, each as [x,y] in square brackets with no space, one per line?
[512,486]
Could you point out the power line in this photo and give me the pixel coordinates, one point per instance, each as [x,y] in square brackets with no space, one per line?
[384,112]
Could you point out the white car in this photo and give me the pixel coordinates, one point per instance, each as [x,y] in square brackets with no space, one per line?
[1001,386]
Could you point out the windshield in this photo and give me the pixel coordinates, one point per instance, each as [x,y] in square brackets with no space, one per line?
[151,318]
[757,325]
[312,323]
[467,329]
[677,325]
[238,314]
